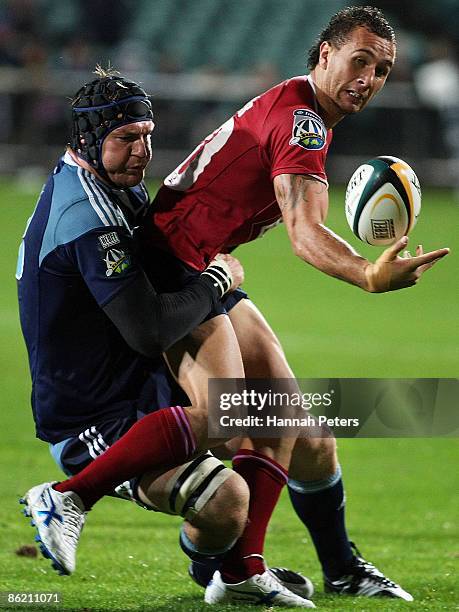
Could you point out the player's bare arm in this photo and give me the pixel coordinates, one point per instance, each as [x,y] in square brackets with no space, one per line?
[303,201]
[304,204]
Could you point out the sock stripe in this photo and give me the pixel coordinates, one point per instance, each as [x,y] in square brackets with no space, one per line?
[182,430]
[314,486]
[193,551]
[273,466]
[184,425]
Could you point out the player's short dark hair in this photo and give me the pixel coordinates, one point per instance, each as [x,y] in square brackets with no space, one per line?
[337,31]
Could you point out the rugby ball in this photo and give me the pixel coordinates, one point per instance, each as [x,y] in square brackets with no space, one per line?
[383,200]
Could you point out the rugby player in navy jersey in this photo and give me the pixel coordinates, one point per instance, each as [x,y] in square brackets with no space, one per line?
[95,328]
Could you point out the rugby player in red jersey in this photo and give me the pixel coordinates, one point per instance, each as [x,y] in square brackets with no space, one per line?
[264,166]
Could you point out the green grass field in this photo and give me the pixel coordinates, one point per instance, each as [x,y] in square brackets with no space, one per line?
[402,494]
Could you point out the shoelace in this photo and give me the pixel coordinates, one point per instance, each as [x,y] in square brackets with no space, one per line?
[369,570]
[272,583]
[74,519]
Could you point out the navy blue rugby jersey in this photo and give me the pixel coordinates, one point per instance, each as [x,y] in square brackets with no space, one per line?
[77,253]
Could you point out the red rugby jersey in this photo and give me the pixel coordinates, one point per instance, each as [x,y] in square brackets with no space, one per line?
[222,195]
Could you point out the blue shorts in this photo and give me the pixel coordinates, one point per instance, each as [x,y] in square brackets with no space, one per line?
[73,454]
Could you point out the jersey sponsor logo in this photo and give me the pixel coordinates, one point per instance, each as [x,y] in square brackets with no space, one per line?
[109,240]
[116,261]
[309,131]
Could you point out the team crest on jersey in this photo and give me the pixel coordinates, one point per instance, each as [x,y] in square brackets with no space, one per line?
[309,131]
[116,261]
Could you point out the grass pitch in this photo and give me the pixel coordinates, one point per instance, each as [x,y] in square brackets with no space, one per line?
[402,494]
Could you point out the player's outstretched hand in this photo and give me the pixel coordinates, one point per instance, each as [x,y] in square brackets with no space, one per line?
[391,272]
[235,268]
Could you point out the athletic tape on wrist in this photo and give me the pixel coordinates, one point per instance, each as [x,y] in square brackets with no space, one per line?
[221,276]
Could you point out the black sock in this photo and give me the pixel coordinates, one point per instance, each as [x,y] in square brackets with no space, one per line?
[320,506]
[203,563]
[202,571]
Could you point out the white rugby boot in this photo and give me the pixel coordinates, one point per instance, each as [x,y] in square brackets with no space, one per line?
[201,572]
[262,589]
[293,581]
[364,579]
[58,519]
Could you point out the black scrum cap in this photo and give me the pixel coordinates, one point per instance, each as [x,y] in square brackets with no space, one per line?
[101,106]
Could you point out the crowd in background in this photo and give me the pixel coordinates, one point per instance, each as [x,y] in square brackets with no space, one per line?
[40,39]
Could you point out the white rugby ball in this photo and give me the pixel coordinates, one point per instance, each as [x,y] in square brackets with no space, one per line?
[383,200]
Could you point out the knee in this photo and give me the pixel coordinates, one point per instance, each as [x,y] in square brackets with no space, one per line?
[316,447]
[313,458]
[227,510]
[203,491]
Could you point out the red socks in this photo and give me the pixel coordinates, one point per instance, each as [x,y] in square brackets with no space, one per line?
[265,478]
[161,440]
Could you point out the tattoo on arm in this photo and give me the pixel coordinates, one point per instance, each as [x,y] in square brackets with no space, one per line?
[295,189]
[303,201]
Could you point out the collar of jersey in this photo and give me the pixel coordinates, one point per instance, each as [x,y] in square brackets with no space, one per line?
[68,159]
[107,188]
[313,87]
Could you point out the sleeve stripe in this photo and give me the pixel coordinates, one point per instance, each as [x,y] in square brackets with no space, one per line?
[102,198]
[90,195]
[298,170]
[118,212]
[99,207]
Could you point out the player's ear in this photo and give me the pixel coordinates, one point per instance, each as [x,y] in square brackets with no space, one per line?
[324,51]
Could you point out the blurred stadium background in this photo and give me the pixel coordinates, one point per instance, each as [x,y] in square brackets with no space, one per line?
[201,60]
